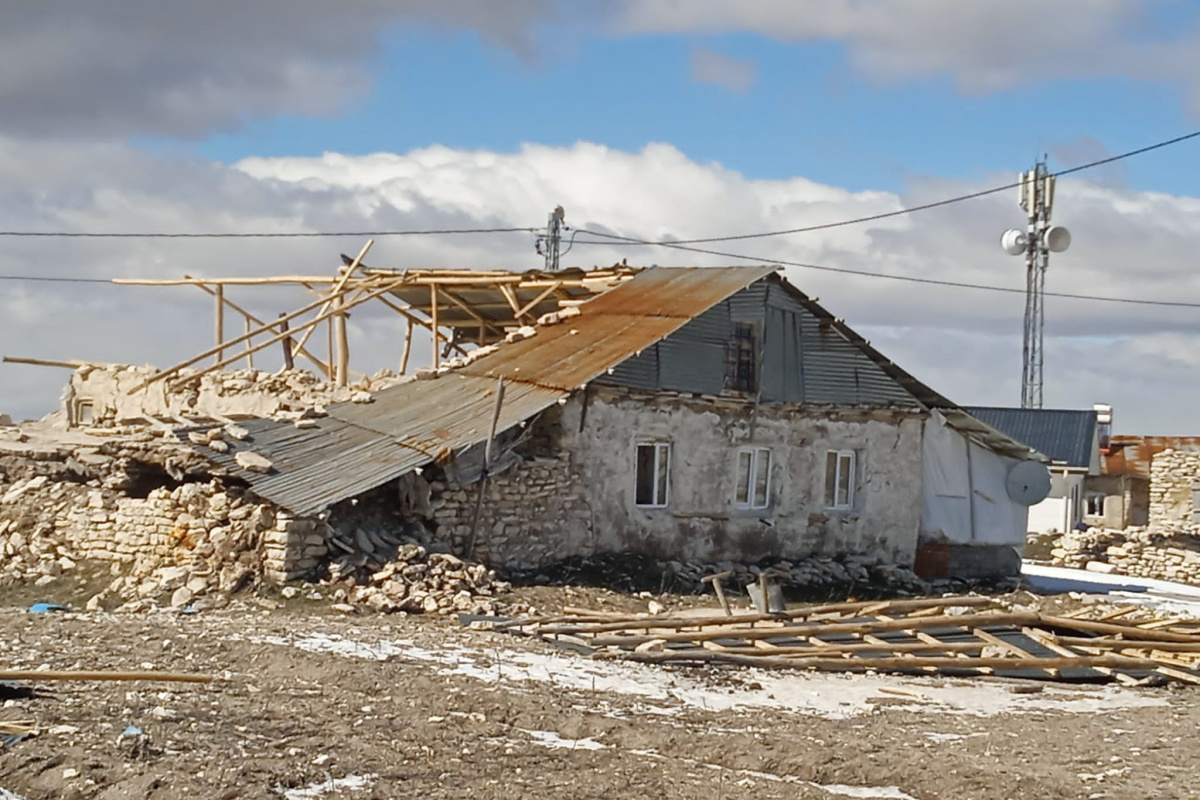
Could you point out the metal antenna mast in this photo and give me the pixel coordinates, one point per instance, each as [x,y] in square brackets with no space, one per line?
[550,246]
[1036,243]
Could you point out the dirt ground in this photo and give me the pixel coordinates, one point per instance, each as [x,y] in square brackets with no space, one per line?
[310,703]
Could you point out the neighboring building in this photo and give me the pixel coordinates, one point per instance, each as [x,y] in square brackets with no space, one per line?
[1121,494]
[1072,441]
[701,414]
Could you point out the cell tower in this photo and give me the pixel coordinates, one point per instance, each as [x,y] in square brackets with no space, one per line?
[1036,243]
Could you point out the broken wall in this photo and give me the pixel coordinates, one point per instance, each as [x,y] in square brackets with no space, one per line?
[575,495]
[1173,474]
[105,394]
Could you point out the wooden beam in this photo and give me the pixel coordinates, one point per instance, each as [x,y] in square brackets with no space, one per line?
[433,313]
[312,323]
[532,304]
[264,329]
[408,336]
[289,354]
[458,301]
[191,281]
[249,352]
[219,294]
[510,296]
[41,362]
[343,342]
[282,325]
[339,286]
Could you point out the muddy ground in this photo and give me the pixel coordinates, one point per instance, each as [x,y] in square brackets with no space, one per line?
[310,703]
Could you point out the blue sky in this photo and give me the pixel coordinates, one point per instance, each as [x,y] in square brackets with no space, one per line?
[671,118]
[806,113]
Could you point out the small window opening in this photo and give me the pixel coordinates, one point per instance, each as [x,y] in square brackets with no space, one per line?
[741,359]
[85,412]
[1094,505]
[754,478]
[839,479]
[653,464]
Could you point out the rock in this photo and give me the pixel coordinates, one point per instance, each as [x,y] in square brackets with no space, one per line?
[290,592]
[218,446]
[181,597]
[237,432]
[253,462]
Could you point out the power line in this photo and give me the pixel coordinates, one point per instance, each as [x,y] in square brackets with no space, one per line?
[890,214]
[929,281]
[260,235]
[785,263]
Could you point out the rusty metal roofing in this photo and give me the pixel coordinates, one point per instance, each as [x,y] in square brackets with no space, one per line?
[362,445]
[1131,455]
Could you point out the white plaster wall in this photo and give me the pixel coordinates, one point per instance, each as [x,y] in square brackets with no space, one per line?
[1047,516]
[701,522]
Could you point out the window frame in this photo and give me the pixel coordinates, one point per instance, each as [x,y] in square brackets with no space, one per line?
[742,358]
[1087,502]
[750,484]
[832,503]
[660,448]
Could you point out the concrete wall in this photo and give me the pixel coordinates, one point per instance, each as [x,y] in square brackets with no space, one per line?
[1126,501]
[577,495]
[1063,507]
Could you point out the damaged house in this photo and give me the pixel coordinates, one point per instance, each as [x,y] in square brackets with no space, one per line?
[703,414]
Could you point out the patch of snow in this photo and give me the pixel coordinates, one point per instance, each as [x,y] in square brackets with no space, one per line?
[5,794]
[829,695]
[556,742]
[350,783]
[889,792]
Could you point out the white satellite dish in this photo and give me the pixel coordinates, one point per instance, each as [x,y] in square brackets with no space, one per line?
[1058,239]
[1028,483]
[1015,242]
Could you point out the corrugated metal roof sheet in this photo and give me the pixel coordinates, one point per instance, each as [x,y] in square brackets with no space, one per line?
[1131,455]
[362,445]
[1068,437]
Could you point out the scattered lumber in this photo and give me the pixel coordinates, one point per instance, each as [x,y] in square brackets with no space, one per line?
[953,635]
[60,675]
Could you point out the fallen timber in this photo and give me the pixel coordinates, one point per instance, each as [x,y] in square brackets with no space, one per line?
[958,635]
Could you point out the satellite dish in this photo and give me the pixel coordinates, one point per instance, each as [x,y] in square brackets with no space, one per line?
[1028,483]
[1058,239]
[1014,242]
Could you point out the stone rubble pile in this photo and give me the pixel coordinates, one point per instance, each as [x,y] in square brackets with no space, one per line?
[1171,555]
[1172,475]
[815,576]
[196,542]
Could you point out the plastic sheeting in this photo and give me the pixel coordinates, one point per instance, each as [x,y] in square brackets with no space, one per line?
[964,497]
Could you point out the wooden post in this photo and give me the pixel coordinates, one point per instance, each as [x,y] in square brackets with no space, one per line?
[487,463]
[289,358]
[339,286]
[220,321]
[249,348]
[433,314]
[343,343]
[408,335]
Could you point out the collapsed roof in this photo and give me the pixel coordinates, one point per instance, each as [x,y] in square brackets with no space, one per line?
[358,447]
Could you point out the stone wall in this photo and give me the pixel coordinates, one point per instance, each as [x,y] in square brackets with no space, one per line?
[1172,475]
[574,492]
[1171,555]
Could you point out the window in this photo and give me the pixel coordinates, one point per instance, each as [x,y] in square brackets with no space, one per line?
[84,412]
[1095,505]
[754,478]
[741,359]
[653,463]
[839,479]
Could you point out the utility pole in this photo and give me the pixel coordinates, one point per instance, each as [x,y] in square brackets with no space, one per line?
[1036,243]
[550,245]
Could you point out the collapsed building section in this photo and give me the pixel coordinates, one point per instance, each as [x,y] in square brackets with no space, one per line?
[697,415]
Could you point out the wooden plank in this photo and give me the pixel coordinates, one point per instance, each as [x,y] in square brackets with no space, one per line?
[340,285]
[433,312]
[219,294]
[524,310]
[408,337]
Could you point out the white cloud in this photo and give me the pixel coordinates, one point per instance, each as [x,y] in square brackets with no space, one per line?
[734,74]
[964,343]
[81,69]
[984,46]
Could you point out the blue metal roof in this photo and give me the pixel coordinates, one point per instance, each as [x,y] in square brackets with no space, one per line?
[1067,437]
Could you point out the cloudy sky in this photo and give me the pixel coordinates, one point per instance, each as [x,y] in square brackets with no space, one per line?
[643,118]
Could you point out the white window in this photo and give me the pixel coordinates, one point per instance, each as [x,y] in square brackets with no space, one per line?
[1095,505]
[839,479]
[754,478]
[653,466]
